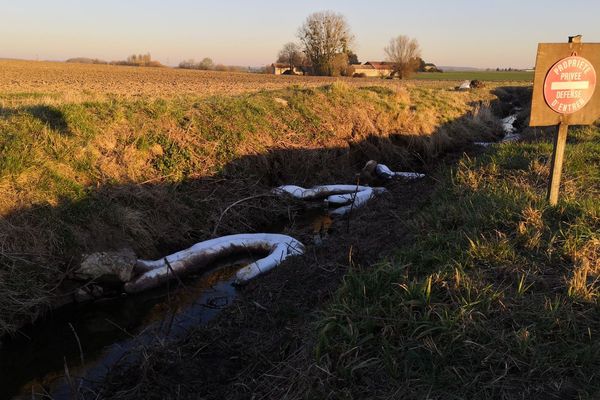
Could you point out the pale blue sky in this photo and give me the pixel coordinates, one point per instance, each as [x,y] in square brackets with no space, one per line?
[460,32]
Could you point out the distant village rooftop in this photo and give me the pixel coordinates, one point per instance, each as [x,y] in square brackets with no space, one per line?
[369,68]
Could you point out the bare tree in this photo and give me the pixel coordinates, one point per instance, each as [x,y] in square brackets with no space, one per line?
[188,64]
[206,64]
[323,35]
[139,59]
[291,54]
[404,53]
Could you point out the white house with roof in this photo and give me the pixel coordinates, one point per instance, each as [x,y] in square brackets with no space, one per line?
[374,69]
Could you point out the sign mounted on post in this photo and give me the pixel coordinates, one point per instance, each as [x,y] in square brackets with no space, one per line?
[569,85]
[550,58]
[564,94]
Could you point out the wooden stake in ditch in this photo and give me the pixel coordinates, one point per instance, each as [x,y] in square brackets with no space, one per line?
[564,94]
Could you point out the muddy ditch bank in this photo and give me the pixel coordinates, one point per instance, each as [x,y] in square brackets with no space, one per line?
[235,347]
[76,345]
[256,348]
[73,348]
[271,318]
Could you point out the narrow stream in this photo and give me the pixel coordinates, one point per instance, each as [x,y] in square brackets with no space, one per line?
[508,125]
[508,128]
[87,340]
[73,348]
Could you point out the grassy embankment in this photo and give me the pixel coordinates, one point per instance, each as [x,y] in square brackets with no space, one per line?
[495,295]
[155,174]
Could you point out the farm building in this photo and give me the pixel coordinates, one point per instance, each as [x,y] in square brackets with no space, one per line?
[280,69]
[429,67]
[373,69]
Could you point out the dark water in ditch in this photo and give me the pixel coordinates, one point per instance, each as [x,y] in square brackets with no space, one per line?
[87,340]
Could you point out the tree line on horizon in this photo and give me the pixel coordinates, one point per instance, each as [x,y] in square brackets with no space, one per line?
[207,64]
[137,60]
[325,47]
[145,60]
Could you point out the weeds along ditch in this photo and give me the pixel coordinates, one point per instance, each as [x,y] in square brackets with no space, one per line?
[157,175]
[495,296]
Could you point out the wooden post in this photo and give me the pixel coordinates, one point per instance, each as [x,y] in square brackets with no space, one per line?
[557,162]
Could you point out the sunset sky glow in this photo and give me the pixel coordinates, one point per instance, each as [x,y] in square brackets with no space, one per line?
[250,33]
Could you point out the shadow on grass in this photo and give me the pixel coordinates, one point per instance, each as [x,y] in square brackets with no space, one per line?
[50,116]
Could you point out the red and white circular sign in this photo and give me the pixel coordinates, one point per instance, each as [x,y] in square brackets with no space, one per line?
[569,85]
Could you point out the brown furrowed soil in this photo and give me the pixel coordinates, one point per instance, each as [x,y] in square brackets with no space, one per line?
[84,81]
[81,82]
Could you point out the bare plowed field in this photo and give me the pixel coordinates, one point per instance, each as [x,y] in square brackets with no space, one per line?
[55,77]
[82,81]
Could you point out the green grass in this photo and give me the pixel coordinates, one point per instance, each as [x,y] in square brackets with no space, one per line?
[495,295]
[479,75]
